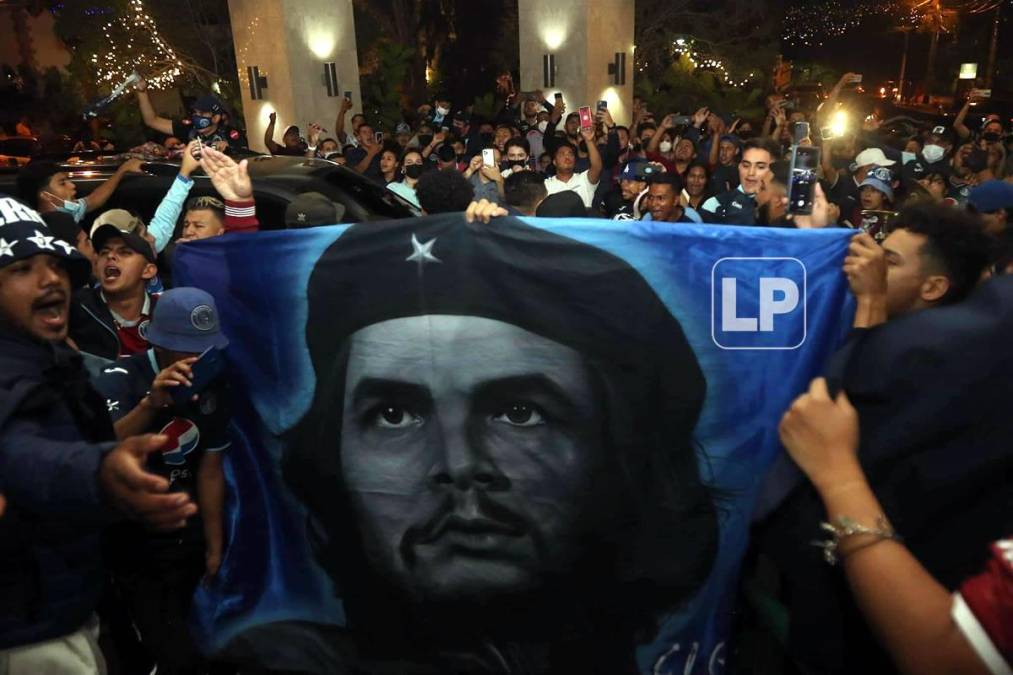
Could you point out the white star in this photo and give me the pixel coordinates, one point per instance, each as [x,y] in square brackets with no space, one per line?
[300,217]
[7,248]
[112,405]
[422,253]
[42,241]
[68,249]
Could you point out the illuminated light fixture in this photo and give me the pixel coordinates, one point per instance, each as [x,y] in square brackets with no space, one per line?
[617,69]
[968,71]
[258,82]
[331,78]
[554,37]
[548,70]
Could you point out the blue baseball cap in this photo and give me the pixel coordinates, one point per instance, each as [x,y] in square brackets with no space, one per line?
[991,195]
[880,178]
[635,169]
[186,320]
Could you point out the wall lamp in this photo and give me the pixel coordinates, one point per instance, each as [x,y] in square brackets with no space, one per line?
[258,82]
[548,70]
[617,69]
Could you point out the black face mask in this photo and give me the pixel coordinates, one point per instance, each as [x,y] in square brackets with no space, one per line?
[425,140]
[486,138]
[413,171]
[990,136]
[518,166]
[460,158]
[504,165]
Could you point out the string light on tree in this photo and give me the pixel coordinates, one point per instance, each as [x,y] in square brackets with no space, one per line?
[133,43]
[684,47]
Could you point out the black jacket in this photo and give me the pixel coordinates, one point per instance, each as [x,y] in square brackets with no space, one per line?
[54,430]
[91,324]
[932,390]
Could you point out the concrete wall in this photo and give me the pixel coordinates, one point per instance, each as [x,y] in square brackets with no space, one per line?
[289,41]
[584,36]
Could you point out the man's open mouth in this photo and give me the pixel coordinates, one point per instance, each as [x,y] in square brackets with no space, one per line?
[111,272]
[52,309]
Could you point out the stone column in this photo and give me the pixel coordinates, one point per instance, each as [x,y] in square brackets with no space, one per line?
[289,41]
[583,36]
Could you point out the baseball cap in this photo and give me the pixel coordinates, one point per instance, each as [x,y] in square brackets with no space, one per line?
[186,320]
[402,128]
[104,233]
[879,178]
[24,233]
[311,209]
[873,156]
[637,169]
[991,195]
[208,103]
[121,219]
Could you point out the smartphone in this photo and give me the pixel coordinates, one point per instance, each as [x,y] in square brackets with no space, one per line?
[379,137]
[827,133]
[856,79]
[348,95]
[602,105]
[800,132]
[877,224]
[805,161]
[199,150]
[586,119]
[559,96]
[488,157]
[682,120]
[938,131]
[208,366]
[981,93]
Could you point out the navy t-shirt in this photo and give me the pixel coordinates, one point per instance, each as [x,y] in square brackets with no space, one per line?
[198,427]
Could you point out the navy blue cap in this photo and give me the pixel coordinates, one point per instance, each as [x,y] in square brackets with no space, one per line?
[208,103]
[991,195]
[24,233]
[186,320]
[638,169]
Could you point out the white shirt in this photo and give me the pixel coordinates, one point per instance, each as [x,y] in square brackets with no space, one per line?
[578,183]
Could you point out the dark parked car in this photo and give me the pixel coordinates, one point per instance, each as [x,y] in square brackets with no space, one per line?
[276,182]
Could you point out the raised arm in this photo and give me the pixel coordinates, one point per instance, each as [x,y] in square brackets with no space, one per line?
[100,195]
[339,123]
[148,114]
[272,147]
[594,172]
[163,223]
[958,123]
[901,601]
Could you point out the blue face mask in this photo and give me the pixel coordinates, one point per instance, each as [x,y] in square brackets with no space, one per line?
[200,123]
[77,209]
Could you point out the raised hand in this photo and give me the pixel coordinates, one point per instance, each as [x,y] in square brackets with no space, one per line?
[230,179]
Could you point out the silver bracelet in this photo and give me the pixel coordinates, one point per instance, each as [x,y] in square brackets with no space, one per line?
[845,527]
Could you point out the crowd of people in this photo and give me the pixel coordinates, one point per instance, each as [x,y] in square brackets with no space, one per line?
[104,454]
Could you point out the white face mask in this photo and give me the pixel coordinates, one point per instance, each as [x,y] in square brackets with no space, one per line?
[665,146]
[933,153]
[442,112]
[543,125]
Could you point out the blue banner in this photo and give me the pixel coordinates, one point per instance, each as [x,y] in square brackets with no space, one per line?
[528,446]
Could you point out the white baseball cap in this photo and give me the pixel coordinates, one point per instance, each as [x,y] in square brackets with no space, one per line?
[121,219]
[873,156]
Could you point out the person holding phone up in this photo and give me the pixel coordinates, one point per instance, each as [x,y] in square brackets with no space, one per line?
[176,388]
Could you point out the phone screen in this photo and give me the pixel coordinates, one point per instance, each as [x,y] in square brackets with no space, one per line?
[801,132]
[559,96]
[348,95]
[603,105]
[379,137]
[804,163]
[586,120]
